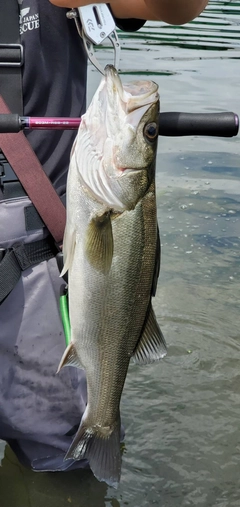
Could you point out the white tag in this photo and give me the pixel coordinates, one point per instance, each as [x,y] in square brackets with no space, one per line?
[97,22]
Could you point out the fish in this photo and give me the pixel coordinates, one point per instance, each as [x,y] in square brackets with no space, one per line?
[111,252]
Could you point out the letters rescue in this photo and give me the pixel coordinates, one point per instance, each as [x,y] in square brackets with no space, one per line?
[28,22]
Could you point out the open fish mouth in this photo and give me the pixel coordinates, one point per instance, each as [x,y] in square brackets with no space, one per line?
[113,140]
[132,95]
[116,104]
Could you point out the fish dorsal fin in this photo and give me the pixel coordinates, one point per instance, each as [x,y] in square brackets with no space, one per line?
[69,358]
[151,346]
[99,243]
[69,243]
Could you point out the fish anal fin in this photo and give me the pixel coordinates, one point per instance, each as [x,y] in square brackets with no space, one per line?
[69,358]
[99,243]
[101,447]
[157,264]
[151,347]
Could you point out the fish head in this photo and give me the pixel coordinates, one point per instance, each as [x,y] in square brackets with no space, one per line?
[122,122]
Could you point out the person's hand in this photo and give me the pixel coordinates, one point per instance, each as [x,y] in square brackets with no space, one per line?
[175,12]
[73,3]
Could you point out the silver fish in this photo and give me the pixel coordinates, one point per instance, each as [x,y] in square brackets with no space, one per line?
[112,255]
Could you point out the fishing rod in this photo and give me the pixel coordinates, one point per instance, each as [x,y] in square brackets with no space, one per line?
[171,124]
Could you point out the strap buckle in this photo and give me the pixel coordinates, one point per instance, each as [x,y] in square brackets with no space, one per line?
[7,174]
[11,55]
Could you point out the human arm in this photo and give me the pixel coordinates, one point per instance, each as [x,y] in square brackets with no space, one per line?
[174,12]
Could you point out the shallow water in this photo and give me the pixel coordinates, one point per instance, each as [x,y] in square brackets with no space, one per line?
[182,445]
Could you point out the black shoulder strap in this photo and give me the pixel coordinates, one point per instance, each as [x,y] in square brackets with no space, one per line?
[30,173]
[11,56]
[16,147]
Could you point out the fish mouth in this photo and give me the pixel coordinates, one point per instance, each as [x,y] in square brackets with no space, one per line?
[133,95]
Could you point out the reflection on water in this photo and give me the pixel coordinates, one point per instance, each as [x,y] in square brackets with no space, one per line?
[48,490]
[182,416]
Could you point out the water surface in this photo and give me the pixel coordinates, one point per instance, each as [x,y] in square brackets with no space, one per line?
[182,445]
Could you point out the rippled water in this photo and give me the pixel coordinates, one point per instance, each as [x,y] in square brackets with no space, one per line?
[182,445]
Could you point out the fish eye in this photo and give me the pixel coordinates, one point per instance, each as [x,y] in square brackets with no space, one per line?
[150,131]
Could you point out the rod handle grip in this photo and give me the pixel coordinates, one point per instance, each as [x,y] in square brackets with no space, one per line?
[198,124]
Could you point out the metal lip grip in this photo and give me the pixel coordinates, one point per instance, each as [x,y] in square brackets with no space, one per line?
[95,24]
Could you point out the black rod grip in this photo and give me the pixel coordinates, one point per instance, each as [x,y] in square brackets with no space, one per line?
[10,123]
[198,124]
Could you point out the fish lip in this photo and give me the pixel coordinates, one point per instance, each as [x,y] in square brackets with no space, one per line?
[112,74]
[110,70]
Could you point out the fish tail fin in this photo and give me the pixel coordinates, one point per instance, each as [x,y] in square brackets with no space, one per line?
[102,450]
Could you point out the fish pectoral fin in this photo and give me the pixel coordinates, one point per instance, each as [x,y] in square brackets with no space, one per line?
[101,448]
[151,346]
[69,358]
[99,243]
[69,243]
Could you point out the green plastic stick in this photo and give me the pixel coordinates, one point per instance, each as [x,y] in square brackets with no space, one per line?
[65,317]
